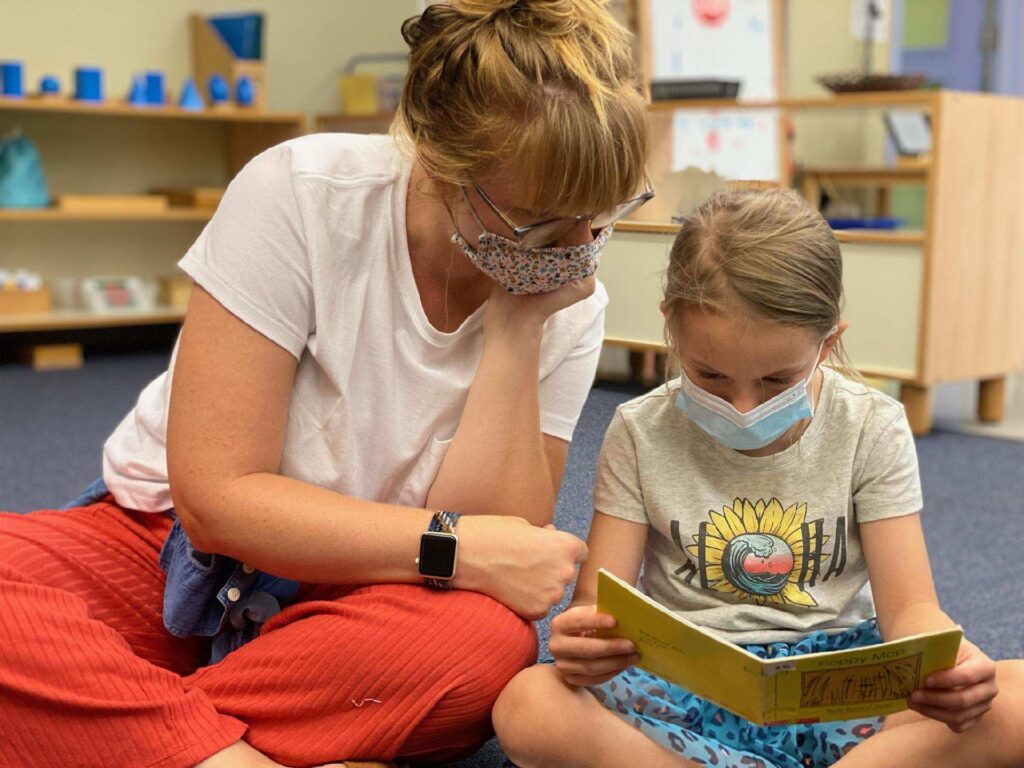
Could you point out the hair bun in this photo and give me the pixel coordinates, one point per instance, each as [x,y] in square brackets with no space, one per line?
[482,9]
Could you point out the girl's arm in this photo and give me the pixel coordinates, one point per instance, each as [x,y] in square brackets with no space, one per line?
[614,544]
[906,602]
[229,406]
[901,577]
[584,659]
[499,462]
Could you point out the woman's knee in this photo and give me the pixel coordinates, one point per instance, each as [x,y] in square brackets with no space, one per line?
[492,641]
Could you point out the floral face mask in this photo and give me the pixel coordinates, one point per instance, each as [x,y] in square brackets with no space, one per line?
[522,270]
[532,270]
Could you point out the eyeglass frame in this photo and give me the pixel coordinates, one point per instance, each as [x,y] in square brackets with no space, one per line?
[520,232]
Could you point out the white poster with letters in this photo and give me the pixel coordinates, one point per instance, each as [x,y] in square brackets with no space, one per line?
[738,144]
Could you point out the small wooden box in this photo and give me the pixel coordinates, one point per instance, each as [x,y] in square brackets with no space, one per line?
[175,291]
[112,204]
[25,302]
[193,197]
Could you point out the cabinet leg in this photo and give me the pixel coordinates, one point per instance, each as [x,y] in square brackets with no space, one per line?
[992,399]
[917,401]
[883,202]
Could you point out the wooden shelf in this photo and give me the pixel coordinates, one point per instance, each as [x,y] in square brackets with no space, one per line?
[60,319]
[895,174]
[338,123]
[651,227]
[878,99]
[57,215]
[880,236]
[229,114]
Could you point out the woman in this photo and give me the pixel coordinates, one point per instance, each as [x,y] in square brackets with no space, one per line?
[377,338]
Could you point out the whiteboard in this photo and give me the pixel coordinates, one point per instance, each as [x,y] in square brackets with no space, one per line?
[716,39]
[739,144]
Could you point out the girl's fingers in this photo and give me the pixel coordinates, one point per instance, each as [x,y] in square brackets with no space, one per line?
[567,646]
[954,700]
[581,618]
[972,668]
[609,665]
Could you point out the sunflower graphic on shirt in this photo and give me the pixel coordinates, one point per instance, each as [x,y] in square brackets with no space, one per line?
[761,551]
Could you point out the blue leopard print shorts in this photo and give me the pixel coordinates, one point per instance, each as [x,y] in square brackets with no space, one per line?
[709,735]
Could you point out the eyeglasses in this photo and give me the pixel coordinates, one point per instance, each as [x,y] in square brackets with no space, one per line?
[546,232]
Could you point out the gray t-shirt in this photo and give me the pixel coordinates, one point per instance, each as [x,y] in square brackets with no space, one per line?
[760,549]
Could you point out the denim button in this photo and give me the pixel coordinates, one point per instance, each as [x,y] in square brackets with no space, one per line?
[246,568]
[234,593]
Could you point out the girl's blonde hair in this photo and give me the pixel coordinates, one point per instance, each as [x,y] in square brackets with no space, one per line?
[766,254]
[548,87]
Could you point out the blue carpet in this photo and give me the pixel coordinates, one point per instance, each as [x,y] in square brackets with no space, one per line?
[54,424]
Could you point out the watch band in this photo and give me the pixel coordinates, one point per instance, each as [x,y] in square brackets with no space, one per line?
[442,522]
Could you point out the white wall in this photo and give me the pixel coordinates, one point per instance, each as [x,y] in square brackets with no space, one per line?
[305,41]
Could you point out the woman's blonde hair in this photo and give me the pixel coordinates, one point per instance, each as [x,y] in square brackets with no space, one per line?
[548,87]
[766,254]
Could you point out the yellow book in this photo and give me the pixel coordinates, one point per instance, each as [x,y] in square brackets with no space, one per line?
[815,687]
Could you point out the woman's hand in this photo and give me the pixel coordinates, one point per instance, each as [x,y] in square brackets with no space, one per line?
[506,311]
[582,657]
[959,696]
[525,567]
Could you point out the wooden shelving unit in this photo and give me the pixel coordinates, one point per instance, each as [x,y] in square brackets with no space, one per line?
[245,132]
[940,304]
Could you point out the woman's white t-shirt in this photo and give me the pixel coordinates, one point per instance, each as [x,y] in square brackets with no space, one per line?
[309,248]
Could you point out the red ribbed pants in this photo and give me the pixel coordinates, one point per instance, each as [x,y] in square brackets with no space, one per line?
[90,677]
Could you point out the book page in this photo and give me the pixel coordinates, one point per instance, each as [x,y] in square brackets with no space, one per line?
[860,682]
[682,652]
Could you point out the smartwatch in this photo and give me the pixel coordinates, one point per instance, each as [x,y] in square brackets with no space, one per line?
[439,548]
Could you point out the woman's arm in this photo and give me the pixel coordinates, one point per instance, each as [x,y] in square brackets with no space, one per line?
[906,602]
[228,410]
[499,462]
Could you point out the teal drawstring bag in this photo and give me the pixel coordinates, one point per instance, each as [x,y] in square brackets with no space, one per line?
[22,181]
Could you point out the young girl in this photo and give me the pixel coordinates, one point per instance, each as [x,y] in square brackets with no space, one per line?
[773,501]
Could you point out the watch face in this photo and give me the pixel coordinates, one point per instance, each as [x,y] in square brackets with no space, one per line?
[437,555]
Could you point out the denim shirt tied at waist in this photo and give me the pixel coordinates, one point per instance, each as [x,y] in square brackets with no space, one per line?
[210,595]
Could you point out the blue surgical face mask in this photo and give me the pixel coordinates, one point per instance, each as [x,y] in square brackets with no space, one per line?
[757,427]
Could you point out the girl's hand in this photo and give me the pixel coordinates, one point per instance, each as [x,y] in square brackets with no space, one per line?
[525,567]
[582,657]
[506,311]
[959,696]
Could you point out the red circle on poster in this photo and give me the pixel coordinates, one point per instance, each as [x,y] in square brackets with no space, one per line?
[711,13]
[714,140]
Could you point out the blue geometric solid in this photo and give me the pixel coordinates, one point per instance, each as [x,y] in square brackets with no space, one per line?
[190,98]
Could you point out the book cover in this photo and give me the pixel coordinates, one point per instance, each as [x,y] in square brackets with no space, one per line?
[815,687]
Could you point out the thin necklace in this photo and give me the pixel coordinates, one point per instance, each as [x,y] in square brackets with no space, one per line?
[447,280]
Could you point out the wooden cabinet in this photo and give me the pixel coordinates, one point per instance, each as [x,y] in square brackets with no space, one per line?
[117,148]
[942,304]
